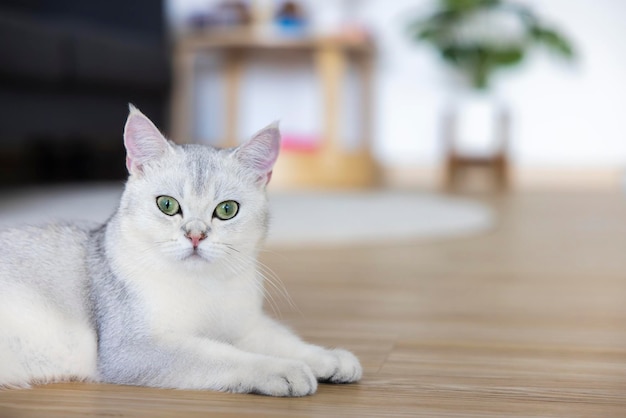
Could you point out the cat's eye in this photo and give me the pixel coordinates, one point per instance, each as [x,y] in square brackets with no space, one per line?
[226,210]
[168,205]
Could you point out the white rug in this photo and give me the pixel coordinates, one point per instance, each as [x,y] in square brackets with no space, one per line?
[298,219]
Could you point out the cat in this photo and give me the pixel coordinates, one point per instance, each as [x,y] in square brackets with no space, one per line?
[166,293]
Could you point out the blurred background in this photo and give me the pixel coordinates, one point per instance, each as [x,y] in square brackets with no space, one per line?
[449,198]
[369,92]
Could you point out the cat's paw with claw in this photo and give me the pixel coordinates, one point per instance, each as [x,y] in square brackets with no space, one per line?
[285,378]
[335,366]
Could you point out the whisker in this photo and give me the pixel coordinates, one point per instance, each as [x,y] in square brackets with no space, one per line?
[268,275]
[260,278]
[236,264]
[277,283]
[272,252]
[157,244]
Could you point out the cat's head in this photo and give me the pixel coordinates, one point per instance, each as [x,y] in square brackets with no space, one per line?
[194,205]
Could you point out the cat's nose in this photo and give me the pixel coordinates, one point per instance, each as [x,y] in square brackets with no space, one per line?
[195,238]
[195,231]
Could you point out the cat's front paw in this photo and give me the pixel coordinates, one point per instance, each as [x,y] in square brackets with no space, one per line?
[335,366]
[285,378]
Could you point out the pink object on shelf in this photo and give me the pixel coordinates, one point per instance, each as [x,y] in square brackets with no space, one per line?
[300,143]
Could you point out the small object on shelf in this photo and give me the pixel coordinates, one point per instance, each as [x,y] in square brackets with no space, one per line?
[226,14]
[290,18]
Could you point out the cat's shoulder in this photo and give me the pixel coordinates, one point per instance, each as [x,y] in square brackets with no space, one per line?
[60,227]
[57,234]
[39,255]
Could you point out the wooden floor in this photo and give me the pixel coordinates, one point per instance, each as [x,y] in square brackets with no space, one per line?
[528,320]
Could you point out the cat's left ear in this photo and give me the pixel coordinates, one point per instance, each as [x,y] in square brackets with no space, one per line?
[259,154]
[143,141]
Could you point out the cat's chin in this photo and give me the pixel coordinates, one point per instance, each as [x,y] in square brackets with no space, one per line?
[187,257]
[197,258]
[194,257]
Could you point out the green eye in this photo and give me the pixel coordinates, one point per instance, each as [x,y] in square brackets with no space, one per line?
[168,205]
[226,210]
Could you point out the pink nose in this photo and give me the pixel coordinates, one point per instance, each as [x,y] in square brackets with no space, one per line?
[195,238]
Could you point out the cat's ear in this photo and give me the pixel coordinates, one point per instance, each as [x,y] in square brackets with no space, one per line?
[259,154]
[142,140]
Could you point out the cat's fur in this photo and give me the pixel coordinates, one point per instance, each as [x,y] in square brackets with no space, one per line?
[134,302]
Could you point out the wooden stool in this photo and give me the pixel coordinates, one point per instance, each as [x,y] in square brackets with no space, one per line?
[456,164]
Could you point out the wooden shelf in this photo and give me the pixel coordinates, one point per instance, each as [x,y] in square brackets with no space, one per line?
[249,39]
[330,165]
[349,170]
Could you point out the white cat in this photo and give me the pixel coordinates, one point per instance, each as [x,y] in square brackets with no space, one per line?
[166,293]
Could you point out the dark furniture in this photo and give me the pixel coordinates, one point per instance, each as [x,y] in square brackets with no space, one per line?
[68,69]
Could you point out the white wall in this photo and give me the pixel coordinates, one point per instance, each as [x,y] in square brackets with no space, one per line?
[575,116]
[563,116]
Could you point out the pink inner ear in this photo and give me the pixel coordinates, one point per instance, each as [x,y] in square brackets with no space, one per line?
[142,140]
[267,158]
[261,152]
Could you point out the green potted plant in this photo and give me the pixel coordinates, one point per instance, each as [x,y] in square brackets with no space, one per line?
[478,38]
